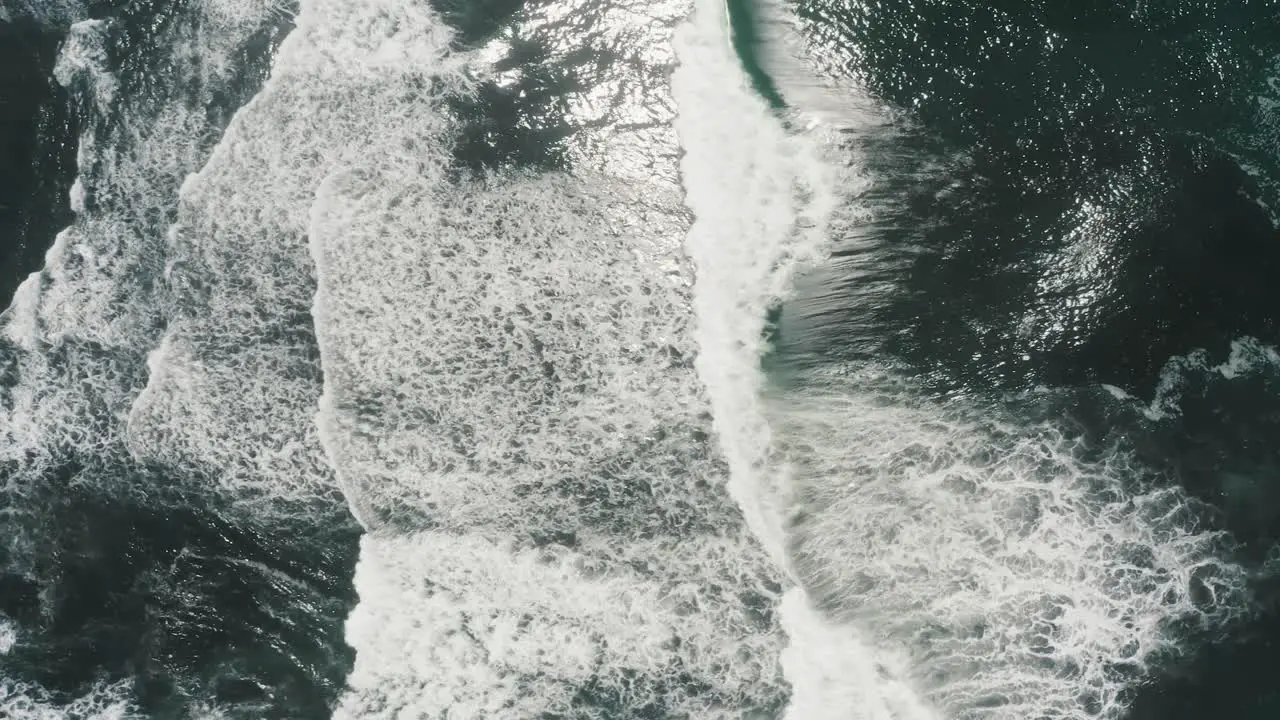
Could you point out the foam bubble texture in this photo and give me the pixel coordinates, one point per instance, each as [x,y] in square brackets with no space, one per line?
[503,362]
[546,349]
[462,625]
[511,409]
[1019,580]
[31,702]
[77,331]
[233,384]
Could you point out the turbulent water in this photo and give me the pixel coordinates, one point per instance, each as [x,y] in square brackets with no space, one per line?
[848,359]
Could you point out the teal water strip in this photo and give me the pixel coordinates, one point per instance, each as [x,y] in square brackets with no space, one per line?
[743,34]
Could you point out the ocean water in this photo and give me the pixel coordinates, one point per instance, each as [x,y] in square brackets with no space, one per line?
[550,359]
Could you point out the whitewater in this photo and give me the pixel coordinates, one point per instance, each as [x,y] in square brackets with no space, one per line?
[540,393]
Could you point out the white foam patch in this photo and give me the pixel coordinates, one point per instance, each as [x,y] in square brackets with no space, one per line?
[84,59]
[19,320]
[208,712]
[1248,356]
[1019,580]
[510,408]
[235,381]
[1117,393]
[829,668]
[529,340]
[80,326]
[8,635]
[451,624]
[952,564]
[31,702]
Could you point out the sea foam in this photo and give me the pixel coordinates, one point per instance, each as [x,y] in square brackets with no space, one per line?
[951,560]
[74,340]
[508,401]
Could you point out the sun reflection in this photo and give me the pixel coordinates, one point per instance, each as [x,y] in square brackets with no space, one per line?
[610,61]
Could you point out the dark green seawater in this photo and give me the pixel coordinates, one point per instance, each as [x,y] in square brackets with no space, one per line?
[1065,197]
[121,581]
[1143,139]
